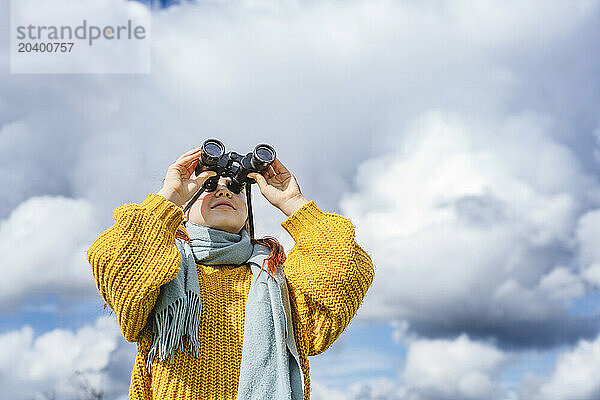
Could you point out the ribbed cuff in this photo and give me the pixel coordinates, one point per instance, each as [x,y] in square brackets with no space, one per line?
[164,210]
[303,219]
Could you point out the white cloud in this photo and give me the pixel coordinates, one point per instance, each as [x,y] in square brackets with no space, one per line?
[42,246]
[592,274]
[561,283]
[49,363]
[451,369]
[438,369]
[381,388]
[267,79]
[466,221]
[320,391]
[492,23]
[588,231]
[575,376]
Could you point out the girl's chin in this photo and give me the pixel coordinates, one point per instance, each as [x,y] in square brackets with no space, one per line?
[221,221]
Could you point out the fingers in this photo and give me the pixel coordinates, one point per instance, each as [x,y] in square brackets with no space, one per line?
[279,167]
[191,151]
[207,173]
[192,166]
[274,169]
[270,172]
[188,157]
[203,177]
[262,182]
[186,162]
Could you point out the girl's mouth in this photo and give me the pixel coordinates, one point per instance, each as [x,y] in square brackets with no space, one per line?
[224,207]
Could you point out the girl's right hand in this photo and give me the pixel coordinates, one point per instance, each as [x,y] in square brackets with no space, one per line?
[177,186]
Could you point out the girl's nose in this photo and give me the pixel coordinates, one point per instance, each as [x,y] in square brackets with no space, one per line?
[223,192]
[223,189]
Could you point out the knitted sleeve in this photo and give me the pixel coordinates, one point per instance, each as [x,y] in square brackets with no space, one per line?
[134,257]
[327,273]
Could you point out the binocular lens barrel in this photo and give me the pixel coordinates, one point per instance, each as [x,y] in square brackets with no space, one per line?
[212,150]
[263,156]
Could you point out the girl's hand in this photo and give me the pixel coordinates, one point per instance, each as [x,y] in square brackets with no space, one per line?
[280,188]
[177,186]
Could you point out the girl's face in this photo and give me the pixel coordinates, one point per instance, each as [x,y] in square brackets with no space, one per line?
[220,209]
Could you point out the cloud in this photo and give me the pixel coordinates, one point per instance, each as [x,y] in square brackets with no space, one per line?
[322,392]
[59,362]
[451,369]
[43,243]
[268,79]
[369,389]
[575,376]
[589,253]
[438,369]
[472,227]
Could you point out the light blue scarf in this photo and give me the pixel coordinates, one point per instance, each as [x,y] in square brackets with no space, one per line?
[270,364]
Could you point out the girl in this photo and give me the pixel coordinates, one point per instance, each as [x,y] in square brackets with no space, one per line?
[249,333]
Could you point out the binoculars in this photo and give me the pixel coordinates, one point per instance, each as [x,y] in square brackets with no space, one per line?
[233,165]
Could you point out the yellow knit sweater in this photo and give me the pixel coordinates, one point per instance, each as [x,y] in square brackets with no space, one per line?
[327,274]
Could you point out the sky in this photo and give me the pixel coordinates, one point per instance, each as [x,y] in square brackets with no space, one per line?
[462,139]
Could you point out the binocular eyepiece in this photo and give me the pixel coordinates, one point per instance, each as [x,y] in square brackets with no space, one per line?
[232,164]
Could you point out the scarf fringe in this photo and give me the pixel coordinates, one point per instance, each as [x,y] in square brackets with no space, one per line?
[174,324]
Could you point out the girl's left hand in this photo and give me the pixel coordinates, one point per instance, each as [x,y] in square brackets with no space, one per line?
[280,188]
